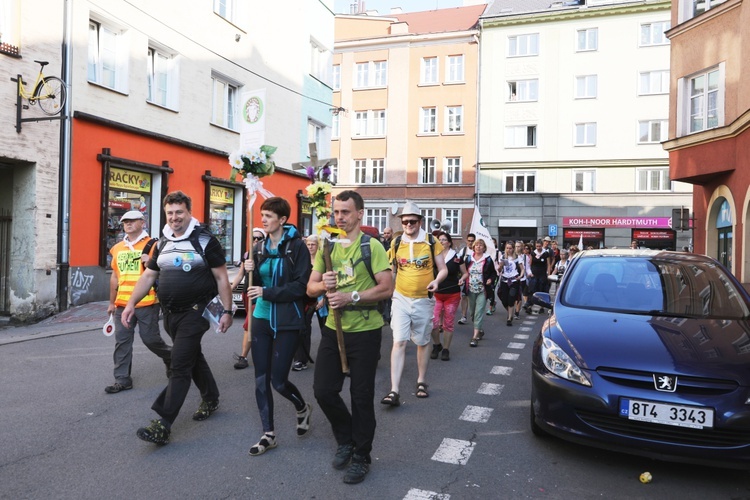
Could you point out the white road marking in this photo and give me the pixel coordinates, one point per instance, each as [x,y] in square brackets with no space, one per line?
[417,494]
[525,329]
[521,337]
[490,389]
[529,322]
[476,414]
[511,356]
[516,345]
[501,370]
[454,451]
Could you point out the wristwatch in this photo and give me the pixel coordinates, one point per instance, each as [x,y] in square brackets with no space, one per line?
[227,311]
[355,297]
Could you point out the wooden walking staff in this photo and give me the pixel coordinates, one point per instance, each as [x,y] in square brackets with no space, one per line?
[336,312]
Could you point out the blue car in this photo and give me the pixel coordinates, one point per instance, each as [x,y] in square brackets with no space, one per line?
[646,352]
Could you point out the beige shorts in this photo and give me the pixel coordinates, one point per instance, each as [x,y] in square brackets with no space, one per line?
[412,319]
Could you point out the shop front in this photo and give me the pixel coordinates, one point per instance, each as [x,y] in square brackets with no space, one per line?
[602,232]
[224,214]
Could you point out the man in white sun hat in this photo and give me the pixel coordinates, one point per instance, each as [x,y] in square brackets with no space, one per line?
[128,260]
[418,267]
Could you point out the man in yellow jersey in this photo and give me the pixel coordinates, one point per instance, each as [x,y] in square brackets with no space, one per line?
[128,259]
[415,258]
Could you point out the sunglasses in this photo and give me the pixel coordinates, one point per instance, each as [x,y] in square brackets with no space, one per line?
[257,238]
[409,222]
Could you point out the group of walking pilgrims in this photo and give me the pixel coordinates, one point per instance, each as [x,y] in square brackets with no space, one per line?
[416,281]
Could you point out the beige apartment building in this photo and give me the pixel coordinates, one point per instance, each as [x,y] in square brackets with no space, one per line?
[405,113]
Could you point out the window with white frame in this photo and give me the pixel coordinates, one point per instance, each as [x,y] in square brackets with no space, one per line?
[378,171]
[454,70]
[381,73]
[320,61]
[587,39]
[369,123]
[9,24]
[652,131]
[653,82]
[314,133]
[523,45]
[706,100]
[361,75]
[523,90]
[360,171]
[428,120]
[360,123]
[107,63]
[429,71]
[162,78]
[225,8]
[653,179]
[452,171]
[653,33]
[693,8]
[378,122]
[454,119]
[453,217]
[427,171]
[224,102]
[335,126]
[585,134]
[336,76]
[334,173]
[586,86]
[519,182]
[376,217]
[520,136]
[584,181]
[428,215]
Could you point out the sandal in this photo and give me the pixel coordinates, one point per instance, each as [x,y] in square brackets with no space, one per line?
[303,420]
[267,442]
[391,399]
[474,342]
[422,390]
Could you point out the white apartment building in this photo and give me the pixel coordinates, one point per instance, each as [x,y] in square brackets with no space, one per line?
[574,103]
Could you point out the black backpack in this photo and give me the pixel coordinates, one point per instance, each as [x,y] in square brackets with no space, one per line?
[366,259]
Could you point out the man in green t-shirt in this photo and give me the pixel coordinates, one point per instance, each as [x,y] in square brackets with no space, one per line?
[351,290]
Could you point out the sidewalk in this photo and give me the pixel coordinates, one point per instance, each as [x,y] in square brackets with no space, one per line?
[84,318]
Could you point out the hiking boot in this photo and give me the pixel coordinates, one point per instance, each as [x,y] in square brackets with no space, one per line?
[156,433]
[343,456]
[241,363]
[357,470]
[446,355]
[205,410]
[299,366]
[436,348]
[117,387]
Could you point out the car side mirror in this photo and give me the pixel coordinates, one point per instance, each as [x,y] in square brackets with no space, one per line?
[542,299]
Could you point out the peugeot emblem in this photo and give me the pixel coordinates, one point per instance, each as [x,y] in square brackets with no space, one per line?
[665,383]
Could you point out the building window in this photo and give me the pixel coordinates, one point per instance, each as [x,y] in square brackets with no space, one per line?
[429,71]
[704,101]
[376,217]
[652,131]
[225,8]
[336,77]
[586,86]
[334,173]
[360,171]
[378,171]
[523,91]
[428,120]
[693,8]
[523,45]
[378,122]
[584,181]
[653,33]
[454,119]
[454,71]
[223,109]
[320,61]
[221,213]
[452,171]
[428,215]
[653,82]
[452,216]
[520,136]
[360,123]
[653,179]
[314,133]
[107,57]
[370,123]
[587,39]
[127,190]
[162,79]
[585,134]
[519,182]
[427,171]
[335,126]
[361,75]
[9,24]
[381,73]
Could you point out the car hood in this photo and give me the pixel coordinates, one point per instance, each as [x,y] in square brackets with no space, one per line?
[711,348]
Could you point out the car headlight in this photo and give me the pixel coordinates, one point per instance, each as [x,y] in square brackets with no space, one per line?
[559,363]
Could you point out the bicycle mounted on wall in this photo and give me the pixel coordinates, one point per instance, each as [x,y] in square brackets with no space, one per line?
[49,92]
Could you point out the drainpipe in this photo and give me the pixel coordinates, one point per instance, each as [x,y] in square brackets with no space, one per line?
[479,87]
[63,209]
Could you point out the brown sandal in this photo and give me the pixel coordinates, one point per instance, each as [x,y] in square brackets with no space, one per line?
[422,390]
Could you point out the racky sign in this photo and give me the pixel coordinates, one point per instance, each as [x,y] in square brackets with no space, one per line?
[129,180]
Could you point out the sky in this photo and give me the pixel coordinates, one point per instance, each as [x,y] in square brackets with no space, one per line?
[384,6]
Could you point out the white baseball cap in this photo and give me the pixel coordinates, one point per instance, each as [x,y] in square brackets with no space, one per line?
[132,215]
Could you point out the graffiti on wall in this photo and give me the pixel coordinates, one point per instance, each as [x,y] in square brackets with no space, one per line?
[80,284]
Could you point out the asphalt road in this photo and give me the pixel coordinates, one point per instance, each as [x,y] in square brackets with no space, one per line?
[63,437]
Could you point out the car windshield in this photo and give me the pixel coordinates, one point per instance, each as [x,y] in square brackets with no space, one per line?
[658,286]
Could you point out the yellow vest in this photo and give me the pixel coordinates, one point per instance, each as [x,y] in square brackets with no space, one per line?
[126,264]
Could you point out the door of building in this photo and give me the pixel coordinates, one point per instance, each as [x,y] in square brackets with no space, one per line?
[6,220]
[724,252]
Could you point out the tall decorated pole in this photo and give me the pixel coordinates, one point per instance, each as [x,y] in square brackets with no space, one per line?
[318,192]
[250,164]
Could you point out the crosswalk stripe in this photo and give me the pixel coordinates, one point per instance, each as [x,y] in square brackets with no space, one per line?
[510,356]
[479,414]
[454,451]
[491,389]
[417,494]
[521,336]
[516,345]
[501,370]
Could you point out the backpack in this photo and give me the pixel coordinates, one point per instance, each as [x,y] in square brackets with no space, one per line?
[366,259]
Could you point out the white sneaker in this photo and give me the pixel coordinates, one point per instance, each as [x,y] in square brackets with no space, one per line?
[462,321]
